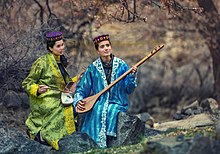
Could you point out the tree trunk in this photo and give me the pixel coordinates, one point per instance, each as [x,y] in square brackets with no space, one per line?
[209,28]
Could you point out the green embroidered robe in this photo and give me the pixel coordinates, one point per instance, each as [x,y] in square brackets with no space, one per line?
[47,114]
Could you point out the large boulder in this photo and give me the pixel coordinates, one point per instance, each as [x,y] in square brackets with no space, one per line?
[76,142]
[130,130]
[12,100]
[12,141]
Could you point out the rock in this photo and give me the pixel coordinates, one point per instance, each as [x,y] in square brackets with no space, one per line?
[156,148]
[191,122]
[28,146]
[151,132]
[192,109]
[170,145]
[25,100]
[188,112]
[199,110]
[167,145]
[201,145]
[209,105]
[12,141]
[11,100]
[130,130]
[217,127]
[2,92]
[191,106]
[178,116]
[76,142]
[216,147]
[147,119]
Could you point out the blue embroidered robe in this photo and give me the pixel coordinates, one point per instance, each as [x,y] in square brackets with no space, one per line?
[102,119]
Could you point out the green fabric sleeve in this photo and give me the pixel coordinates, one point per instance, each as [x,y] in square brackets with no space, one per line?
[30,83]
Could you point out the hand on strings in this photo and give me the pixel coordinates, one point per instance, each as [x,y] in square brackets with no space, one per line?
[81,105]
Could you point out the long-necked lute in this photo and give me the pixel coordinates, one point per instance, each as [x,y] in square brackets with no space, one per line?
[91,100]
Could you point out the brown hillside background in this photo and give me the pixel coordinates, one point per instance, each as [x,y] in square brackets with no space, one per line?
[175,66]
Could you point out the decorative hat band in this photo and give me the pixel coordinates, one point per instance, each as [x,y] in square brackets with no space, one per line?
[101,38]
[54,36]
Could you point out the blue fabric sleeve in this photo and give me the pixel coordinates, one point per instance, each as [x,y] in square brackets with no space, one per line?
[83,88]
[130,80]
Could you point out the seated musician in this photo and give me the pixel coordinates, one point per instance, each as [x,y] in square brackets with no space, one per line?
[101,121]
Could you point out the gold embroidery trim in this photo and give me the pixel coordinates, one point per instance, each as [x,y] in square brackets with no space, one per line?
[69,119]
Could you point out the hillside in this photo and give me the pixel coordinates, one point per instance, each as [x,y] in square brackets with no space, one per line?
[171,78]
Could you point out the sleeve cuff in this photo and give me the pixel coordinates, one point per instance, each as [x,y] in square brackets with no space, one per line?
[33,90]
[77,98]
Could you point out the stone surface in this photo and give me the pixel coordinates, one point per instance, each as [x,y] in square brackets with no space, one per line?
[217,127]
[130,130]
[147,119]
[190,122]
[12,141]
[201,145]
[25,100]
[76,142]
[170,145]
[11,99]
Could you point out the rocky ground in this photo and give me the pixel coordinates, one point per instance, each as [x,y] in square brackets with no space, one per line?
[196,125]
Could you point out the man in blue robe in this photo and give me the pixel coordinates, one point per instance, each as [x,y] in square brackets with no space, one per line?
[100,122]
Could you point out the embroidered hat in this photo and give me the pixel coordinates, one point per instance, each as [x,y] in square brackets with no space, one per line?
[54,36]
[101,38]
